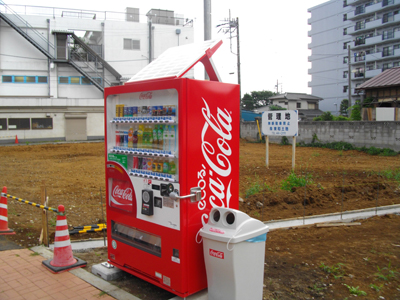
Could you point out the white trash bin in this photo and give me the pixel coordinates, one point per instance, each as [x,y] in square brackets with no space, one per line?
[234,250]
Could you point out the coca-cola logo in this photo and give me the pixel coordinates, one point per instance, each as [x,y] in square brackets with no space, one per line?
[217,254]
[216,230]
[214,176]
[125,194]
[146,95]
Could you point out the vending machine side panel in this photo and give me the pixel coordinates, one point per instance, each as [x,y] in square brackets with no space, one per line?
[212,161]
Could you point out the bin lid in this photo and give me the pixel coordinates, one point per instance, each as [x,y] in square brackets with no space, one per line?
[231,226]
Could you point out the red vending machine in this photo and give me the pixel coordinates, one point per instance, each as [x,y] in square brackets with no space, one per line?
[172,153]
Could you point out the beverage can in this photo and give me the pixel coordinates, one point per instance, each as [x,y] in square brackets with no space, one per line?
[117,139]
[144,163]
[140,163]
[173,110]
[130,111]
[149,111]
[143,111]
[134,111]
[125,111]
[135,163]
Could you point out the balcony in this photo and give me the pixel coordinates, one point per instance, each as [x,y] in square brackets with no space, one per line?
[364,11]
[372,73]
[373,56]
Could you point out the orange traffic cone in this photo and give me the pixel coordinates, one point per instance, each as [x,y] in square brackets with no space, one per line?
[16,139]
[63,259]
[4,214]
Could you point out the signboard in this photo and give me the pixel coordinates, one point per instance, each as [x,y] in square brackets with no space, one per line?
[280,122]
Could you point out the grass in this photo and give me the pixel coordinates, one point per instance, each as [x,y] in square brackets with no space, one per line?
[254,188]
[294,180]
[335,270]
[386,273]
[53,221]
[34,254]
[375,287]
[355,290]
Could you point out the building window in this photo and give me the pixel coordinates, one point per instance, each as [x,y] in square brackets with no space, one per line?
[360,25]
[345,59]
[3,124]
[42,123]
[344,31]
[345,74]
[19,124]
[344,3]
[396,64]
[344,17]
[345,45]
[387,2]
[389,17]
[82,80]
[387,34]
[130,44]
[298,105]
[24,79]
[345,88]
[387,51]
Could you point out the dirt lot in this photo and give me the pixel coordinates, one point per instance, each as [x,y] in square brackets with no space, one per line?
[301,263]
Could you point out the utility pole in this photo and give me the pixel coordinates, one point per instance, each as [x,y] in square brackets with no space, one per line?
[230,26]
[349,77]
[207,26]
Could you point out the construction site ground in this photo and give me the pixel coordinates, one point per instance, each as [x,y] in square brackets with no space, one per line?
[335,262]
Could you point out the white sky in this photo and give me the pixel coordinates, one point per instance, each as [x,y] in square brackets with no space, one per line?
[273,36]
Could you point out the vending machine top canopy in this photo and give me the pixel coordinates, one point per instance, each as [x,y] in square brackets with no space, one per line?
[177,61]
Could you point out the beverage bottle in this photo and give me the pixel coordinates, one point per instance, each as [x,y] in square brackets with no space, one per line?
[172,140]
[166,138]
[140,137]
[165,166]
[150,137]
[130,137]
[126,139]
[172,166]
[144,140]
[155,137]
[160,137]
[135,138]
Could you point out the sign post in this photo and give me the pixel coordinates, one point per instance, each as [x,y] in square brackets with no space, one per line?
[280,123]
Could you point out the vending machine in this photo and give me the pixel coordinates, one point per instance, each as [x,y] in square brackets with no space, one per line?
[172,154]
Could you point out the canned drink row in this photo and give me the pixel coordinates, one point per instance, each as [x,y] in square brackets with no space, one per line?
[157,165]
[153,175]
[144,111]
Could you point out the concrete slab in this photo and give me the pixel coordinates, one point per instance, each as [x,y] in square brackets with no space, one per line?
[202,295]
[106,271]
[84,246]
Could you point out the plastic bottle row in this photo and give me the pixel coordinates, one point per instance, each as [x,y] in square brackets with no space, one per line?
[143,152]
[155,137]
[166,120]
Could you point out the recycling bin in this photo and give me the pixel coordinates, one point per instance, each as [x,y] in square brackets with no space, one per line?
[234,250]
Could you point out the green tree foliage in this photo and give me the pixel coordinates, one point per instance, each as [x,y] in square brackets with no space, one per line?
[276,107]
[356,112]
[344,106]
[326,116]
[256,99]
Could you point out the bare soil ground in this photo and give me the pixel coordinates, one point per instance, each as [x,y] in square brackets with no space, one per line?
[301,263]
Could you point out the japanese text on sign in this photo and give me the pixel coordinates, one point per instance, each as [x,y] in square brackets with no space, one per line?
[280,122]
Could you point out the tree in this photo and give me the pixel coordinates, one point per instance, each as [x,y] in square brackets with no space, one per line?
[326,116]
[344,107]
[356,112]
[256,99]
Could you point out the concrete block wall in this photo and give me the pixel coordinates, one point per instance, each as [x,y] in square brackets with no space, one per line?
[377,134]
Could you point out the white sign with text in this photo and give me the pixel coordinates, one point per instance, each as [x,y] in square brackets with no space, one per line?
[280,122]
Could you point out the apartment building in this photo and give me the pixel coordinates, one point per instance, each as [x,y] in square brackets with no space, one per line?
[351,42]
[56,62]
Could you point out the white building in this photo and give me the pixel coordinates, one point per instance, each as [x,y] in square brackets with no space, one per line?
[372,30]
[55,63]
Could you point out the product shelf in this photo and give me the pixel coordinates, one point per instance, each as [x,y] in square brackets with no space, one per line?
[145,120]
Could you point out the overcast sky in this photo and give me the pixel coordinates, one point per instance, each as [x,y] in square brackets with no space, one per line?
[273,36]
